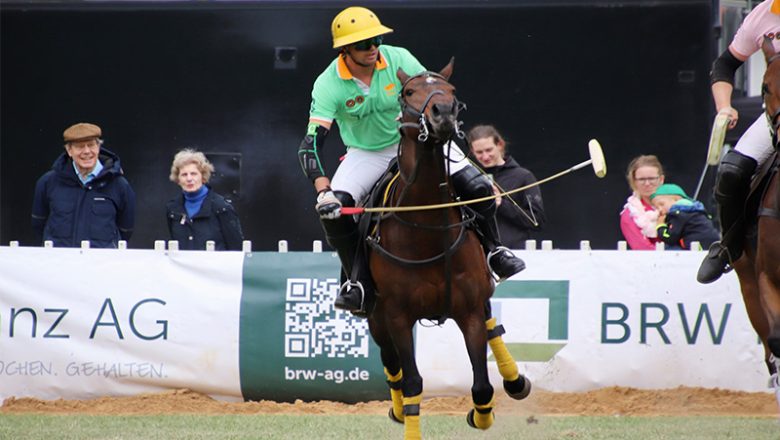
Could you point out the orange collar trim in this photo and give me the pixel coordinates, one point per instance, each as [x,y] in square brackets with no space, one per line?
[343,70]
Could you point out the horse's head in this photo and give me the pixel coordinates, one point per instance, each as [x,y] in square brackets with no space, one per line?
[770,90]
[429,105]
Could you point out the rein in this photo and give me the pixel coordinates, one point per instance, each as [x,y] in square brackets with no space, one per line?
[423,137]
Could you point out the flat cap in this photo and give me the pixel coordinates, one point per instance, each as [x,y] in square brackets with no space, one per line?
[81,131]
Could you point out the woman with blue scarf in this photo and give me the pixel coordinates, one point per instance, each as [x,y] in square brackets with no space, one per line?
[200,214]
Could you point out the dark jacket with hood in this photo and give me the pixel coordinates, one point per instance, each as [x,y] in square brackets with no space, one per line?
[686,223]
[515,222]
[67,211]
[216,220]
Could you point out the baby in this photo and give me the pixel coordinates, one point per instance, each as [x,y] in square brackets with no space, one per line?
[682,220]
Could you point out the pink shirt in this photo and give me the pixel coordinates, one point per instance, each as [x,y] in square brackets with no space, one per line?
[758,23]
[635,239]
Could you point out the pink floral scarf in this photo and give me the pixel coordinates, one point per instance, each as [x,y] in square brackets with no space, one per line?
[644,219]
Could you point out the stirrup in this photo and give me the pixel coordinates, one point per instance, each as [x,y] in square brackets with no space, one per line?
[347,287]
[493,253]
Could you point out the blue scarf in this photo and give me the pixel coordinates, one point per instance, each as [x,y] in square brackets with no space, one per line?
[194,200]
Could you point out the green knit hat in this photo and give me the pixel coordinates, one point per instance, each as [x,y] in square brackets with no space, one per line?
[670,189]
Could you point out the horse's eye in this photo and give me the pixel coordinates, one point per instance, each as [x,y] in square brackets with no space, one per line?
[409,92]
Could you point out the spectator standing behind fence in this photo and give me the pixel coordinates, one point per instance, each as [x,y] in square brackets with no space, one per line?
[518,214]
[199,214]
[682,220]
[639,218]
[85,195]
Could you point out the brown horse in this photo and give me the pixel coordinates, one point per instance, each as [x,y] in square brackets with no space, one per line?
[758,269]
[429,263]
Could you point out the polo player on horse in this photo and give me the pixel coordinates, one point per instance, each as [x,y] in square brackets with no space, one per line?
[359,90]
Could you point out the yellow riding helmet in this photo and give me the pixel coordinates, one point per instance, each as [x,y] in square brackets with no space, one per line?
[355,24]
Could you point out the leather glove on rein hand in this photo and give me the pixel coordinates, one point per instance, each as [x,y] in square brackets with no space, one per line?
[328,206]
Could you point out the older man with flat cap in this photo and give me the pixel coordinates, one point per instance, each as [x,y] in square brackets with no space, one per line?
[85,195]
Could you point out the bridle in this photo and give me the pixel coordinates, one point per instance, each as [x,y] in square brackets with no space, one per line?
[422,124]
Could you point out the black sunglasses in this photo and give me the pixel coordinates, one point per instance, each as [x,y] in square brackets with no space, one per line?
[366,44]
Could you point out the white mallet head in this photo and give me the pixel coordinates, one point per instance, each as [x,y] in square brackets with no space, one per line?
[597,158]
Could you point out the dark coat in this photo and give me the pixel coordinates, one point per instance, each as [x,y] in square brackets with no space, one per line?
[686,224]
[66,211]
[514,226]
[216,220]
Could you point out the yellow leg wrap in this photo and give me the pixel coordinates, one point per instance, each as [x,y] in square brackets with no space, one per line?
[484,421]
[412,421]
[396,395]
[506,364]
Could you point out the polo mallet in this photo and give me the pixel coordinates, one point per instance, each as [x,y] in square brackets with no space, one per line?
[717,136]
[596,161]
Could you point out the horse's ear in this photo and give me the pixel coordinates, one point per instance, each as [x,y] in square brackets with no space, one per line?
[402,75]
[446,72]
[768,48]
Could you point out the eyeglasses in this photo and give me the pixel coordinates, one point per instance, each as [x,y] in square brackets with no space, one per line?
[647,180]
[366,44]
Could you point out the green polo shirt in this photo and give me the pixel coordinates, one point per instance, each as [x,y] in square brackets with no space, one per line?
[366,121]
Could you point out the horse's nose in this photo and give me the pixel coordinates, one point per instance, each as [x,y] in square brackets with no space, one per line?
[442,110]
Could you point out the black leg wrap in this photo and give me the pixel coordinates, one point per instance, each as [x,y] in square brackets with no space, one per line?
[394,385]
[496,332]
[411,410]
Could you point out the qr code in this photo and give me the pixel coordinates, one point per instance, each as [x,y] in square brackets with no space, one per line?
[314,327]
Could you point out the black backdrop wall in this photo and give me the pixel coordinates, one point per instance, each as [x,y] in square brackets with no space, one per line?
[162,76]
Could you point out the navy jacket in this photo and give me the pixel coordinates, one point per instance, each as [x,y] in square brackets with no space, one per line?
[216,220]
[66,211]
[686,224]
[513,225]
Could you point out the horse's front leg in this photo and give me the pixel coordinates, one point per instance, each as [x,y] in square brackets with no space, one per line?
[391,363]
[475,335]
[411,384]
[516,385]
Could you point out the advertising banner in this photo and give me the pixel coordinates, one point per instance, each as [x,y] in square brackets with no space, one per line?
[85,323]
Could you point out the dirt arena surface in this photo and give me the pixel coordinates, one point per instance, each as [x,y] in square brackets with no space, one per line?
[612,401]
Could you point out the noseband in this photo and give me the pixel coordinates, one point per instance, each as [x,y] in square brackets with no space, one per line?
[422,122]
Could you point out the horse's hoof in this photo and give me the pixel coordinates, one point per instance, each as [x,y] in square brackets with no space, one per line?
[473,424]
[519,388]
[470,419]
[393,418]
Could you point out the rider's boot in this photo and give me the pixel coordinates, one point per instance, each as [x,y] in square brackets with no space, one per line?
[469,184]
[342,233]
[731,190]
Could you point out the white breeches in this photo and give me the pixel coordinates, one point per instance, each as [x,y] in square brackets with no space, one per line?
[756,142]
[360,169]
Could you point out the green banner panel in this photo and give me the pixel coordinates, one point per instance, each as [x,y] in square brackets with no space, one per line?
[293,344]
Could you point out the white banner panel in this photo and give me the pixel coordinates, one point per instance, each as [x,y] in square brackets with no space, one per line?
[98,322]
[631,318]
